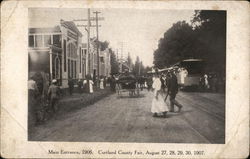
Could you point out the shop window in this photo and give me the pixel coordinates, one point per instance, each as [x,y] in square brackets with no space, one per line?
[69,68]
[38,41]
[72,69]
[57,40]
[47,40]
[75,69]
[102,59]
[31,41]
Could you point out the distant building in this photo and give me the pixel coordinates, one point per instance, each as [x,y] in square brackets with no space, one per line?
[84,62]
[105,67]
[104,60]
[57,51]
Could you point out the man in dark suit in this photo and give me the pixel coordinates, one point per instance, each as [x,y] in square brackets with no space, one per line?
[172,91]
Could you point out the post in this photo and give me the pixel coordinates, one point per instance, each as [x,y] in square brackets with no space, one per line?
[98,60]
[88,41]
[50,63]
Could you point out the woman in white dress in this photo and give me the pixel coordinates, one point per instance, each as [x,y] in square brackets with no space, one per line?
[91,86]
[101,83]
[158,104]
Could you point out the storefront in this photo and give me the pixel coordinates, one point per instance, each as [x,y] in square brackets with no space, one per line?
[56,51]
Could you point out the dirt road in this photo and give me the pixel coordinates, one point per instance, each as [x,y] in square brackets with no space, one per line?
[113,119]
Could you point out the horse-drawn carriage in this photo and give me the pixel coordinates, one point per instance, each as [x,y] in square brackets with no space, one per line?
[127,83]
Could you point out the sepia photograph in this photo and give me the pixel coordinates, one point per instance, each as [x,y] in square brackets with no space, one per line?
[126,75]
[124,79]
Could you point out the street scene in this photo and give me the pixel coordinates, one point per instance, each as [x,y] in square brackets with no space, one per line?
[126,75]
[129,120]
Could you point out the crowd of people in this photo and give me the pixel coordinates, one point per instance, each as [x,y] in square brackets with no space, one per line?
[212,83]
[44,94]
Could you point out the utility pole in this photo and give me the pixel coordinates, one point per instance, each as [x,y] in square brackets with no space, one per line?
[88,42]
[87,28]
[98,58]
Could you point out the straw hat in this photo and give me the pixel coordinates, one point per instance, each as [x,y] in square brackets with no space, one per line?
[54,81]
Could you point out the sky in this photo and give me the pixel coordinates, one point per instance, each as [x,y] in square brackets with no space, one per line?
[133,31]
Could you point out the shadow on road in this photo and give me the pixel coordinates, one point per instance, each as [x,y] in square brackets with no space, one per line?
[172,114]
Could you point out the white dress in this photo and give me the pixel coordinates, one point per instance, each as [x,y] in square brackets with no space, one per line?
[91,86]
[101,84]
[158,105]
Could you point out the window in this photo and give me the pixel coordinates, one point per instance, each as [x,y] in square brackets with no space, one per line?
[47,40]
[69,68]
[72,56]
[57,40]
[75,69]
[31,41]
[72,69]
[102,59]
[38,41]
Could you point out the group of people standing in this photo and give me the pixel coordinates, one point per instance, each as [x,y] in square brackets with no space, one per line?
[164,86]
[86,85]
[43,97]
[212,83]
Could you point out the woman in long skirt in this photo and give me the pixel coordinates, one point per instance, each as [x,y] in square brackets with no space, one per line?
[91,83]
[101,83]
[158,104]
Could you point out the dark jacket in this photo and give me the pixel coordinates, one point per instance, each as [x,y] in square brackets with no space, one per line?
[173,85]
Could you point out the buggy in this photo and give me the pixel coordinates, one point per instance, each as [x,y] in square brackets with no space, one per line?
[127,83]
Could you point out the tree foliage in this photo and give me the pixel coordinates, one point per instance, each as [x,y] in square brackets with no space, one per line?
[139,68]
[204,38]
[113,62]
[103,45]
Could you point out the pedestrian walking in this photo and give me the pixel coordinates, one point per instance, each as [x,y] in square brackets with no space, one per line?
[71,85]
[149,83]
[112,83]
[91,83]
[53,94]
[105,81]
[207,86]
[80,85]
[172,91]
[158,104]
[101,83]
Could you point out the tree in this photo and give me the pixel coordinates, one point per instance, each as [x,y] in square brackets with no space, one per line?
[103,45]
[211,30]
[113,62]
[130,62]
[138,67]
[205,38]
[177,44]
